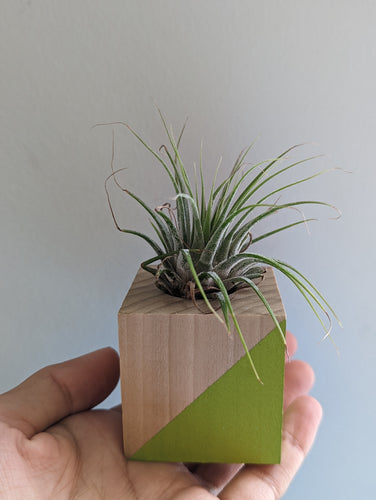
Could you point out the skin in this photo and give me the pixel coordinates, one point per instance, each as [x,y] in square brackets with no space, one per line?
[54,446]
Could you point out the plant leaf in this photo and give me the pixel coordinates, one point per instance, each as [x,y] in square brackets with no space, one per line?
[226,300]
[261,296]
[188,258]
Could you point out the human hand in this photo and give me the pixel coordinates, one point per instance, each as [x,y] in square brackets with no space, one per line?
[53,446]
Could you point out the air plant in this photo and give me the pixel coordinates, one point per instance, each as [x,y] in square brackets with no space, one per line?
[202,250]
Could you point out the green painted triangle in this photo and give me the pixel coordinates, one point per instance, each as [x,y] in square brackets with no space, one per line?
[235,420]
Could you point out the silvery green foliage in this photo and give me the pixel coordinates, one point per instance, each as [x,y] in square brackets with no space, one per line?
[202,249]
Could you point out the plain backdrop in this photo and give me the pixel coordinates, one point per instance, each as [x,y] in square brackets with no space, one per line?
[282,72]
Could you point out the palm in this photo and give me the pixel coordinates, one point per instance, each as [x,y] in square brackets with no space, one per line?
[81,456]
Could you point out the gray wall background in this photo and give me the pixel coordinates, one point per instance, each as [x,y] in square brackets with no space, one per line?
[284,71]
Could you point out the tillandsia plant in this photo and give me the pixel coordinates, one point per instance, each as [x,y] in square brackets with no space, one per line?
[202,247]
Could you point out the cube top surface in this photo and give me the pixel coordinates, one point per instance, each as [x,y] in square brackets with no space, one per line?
[144,297]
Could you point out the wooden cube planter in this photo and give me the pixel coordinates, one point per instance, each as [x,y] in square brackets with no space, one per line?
[188,391]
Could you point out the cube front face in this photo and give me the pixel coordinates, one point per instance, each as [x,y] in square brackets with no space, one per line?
[188,391]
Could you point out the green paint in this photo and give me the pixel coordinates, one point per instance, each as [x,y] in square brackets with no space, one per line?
[235,420]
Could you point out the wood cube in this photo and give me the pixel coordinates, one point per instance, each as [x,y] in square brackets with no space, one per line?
[188,391]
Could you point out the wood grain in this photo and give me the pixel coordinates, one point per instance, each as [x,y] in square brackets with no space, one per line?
[170,352]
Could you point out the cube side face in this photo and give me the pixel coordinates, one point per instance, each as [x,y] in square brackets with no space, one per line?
[235,420]
[186,382]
